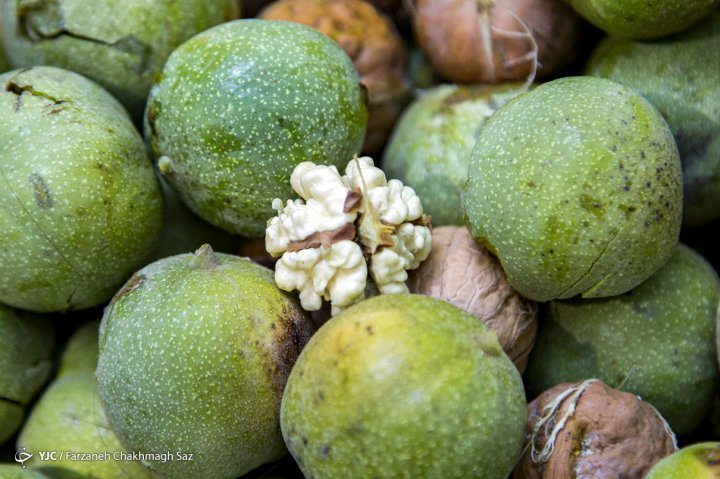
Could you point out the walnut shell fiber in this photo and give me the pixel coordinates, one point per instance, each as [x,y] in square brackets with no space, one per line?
[610,435]
[373,44]
[450,32]
[465,274]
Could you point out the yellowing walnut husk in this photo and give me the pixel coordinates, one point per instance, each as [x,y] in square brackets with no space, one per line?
[465,274]
[373,44]
[590,430]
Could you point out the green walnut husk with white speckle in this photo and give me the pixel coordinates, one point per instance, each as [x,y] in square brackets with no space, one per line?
[195,350]
[430,147]
[656,341]
[270,95]
[696,461]
[576,187]
[404,386]
[122,45]
[68,417]
[81,207]
[643,19]
[26,346]
[184,231]
[679,75]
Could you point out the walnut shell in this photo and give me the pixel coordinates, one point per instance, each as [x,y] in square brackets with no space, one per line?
[373,44]
[467,41]
[465,274]
[588,429]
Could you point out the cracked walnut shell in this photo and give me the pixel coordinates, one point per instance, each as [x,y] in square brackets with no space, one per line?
[465,274]
[588,429]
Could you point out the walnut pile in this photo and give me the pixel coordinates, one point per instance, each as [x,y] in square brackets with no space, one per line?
[373,44]
[590,430]
[465,274]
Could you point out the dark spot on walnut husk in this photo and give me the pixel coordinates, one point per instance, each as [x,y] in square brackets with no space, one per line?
[290,332]
[42,195]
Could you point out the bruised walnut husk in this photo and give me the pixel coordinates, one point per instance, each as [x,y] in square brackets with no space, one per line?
[465,274]
[373,44]
[489,41]
[588,429]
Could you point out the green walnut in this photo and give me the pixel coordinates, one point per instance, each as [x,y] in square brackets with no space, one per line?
[576,187]
[430,147]
[238,106]
[26,346]
[656,341]
[68,417]
[81,351]
[80,206]
[404,386]
[122,45]
[696,461]
[679,77]
[195,351]
[17,472]
[183,231]
[643,19]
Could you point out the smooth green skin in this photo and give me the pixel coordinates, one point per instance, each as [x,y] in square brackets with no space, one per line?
[194,354]
[404,386]
[14,471]
[183,231]
[430,147]
[656,341]
[122,45]
[679,76]
[576,186]
[69,417]
[81,207]
[268,96]
[643,19]
[81,351]
[26,346]
[697,461]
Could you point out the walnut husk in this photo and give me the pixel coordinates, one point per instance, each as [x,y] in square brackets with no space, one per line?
[465,274]
[373,44]
[589,429]
[488,41]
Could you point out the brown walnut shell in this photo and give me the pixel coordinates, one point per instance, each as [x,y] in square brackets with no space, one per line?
[484,41]
[465,274]
[588,429]
[373,44]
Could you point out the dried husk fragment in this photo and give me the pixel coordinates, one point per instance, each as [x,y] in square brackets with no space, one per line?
[465,274]
[590,430]
[373,44]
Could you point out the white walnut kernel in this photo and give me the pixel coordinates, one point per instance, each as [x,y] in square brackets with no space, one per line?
[325,237]
[465,274]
